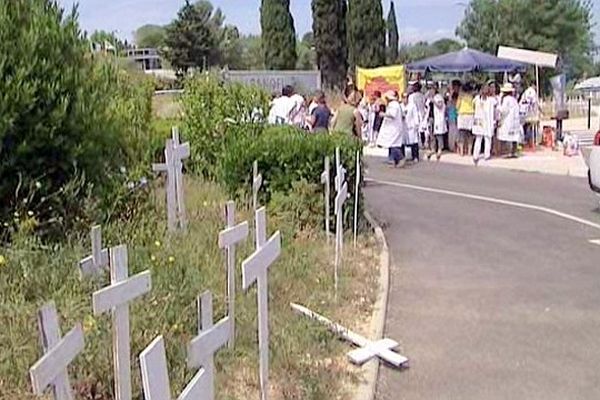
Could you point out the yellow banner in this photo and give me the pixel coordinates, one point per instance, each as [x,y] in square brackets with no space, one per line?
[381,79]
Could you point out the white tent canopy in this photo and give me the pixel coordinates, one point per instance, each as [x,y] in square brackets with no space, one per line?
[589,85]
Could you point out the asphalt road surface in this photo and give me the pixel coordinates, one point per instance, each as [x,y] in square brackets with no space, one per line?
[489,300]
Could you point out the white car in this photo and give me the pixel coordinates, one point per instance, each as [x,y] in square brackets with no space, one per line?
[591,156]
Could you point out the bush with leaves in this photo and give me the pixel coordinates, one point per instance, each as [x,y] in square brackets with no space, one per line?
[286,156]
[68,122]
[214,111]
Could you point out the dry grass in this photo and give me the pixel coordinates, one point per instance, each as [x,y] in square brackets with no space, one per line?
[307,362]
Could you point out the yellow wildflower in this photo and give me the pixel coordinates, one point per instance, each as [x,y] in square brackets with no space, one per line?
[157,243]
[152,257]
[2,261]
[171,259]
[30,213]
[89,323]
[205,204]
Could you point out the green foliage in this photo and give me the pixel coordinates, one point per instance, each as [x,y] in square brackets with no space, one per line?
[366,33]
[393,35]
[278,35]
[67,122]
[216,112]
[558,26]
[32,274]
[306,53]
[287,156]
[420,50]
[105,39]
[191,40]
[330,41]
[252,58]
[152,36]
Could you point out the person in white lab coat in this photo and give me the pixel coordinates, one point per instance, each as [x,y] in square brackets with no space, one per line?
[484,123]
[391,134]
[413,121]
[510,129]
[440,126]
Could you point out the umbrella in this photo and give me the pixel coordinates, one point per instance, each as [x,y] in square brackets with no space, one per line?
[465,60]
[589,85]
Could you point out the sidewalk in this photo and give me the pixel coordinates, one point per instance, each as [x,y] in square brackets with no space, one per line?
[542,161]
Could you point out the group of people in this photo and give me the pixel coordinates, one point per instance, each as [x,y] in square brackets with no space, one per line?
[464,118]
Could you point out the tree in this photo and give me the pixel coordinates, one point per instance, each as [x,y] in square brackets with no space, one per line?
[366,33]
[393,35]
[329,38]
[191,40]
[559,26]
[106,40]
[152,36]
[231,48]
[252,58]
[306,52]
[278,34]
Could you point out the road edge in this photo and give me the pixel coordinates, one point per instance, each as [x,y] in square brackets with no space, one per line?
[366,389]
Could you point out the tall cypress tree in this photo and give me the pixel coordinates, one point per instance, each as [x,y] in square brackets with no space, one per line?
[278,34]
[366,33]
[329,32]
[393,35]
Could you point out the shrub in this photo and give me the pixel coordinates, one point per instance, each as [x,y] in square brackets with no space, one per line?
[285,156]
[68,121]
[212,109]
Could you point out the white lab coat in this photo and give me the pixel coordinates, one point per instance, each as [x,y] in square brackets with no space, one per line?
[413,121]
[510,129]
[440,124]
[393,128]
[484,122]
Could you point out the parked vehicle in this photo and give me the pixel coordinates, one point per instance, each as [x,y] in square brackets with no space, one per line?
[591,155]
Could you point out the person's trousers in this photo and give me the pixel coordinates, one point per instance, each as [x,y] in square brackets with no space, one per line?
[436,143]
[414,150]
[396,154]
[487,144]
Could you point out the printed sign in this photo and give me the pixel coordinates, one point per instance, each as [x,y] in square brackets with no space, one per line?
[304,82]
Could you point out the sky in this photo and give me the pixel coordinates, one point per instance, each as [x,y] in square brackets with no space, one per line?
[418,19]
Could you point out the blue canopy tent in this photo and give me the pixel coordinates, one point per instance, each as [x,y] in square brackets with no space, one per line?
[465,60]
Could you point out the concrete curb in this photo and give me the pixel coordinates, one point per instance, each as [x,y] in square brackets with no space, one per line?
[366,389]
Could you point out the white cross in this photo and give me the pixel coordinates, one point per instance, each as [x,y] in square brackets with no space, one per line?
[356,191]
[325,176]
[211,338]
[340,199]
[116,298]
[340,172]
[228,239]
[173,166]
[254,269]
[51,369]
[256,185]
[94,264]
[367,350]
[155,376]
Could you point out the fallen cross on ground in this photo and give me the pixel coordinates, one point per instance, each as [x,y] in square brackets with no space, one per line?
[384,349]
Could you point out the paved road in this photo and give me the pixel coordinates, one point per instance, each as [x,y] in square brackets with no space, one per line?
[490,301]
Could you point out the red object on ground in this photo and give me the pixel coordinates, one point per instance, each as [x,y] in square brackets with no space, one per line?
[597,139]
[548,137]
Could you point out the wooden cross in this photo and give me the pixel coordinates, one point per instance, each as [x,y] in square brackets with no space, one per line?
[356,190]
[94,264]
[116,298]
[51,369]
[254,269]
[325,177]
[228,239]
[256,185]
[155,376]
[383,349]
[211,338]
[173,166]
[340,199]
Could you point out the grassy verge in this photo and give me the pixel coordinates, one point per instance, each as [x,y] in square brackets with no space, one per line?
[306,361]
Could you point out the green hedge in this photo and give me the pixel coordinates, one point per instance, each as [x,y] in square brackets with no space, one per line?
[291,162]
[70,122]
[212,111]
